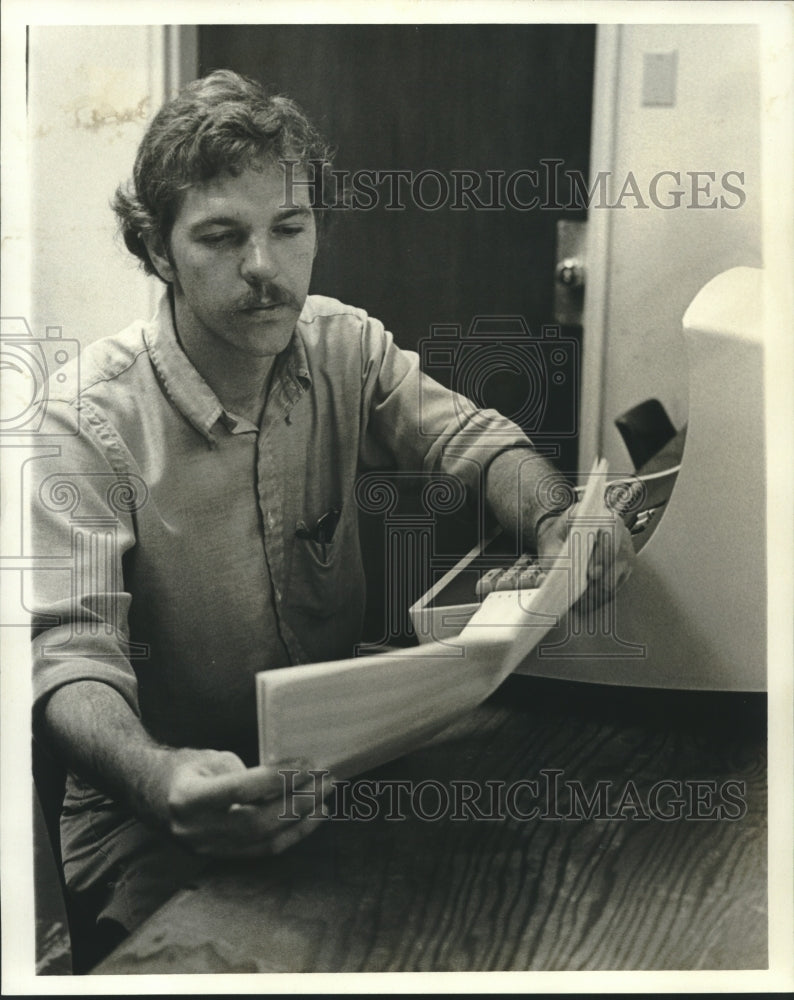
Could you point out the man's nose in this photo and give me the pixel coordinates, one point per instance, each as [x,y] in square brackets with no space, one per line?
[259,263]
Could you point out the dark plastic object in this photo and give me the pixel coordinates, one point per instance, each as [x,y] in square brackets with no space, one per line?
[645,430]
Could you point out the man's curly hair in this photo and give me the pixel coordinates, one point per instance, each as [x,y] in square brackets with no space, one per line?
[222,123]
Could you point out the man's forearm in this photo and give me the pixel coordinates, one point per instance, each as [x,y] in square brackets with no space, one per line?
[520,487]
[98,736]
[207,799]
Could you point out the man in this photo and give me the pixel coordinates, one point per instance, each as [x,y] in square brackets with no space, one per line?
[233,423]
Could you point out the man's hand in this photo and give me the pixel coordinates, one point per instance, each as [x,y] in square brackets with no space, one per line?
[611,560]
[207,799]
[218,807]
[516,479]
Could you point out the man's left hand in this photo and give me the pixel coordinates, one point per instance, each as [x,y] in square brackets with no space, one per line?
[611,560]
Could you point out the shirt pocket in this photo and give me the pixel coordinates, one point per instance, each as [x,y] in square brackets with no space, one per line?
[324,577]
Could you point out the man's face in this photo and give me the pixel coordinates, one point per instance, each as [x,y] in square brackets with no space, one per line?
[240,263]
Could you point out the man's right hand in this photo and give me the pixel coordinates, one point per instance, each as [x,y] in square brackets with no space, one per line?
[207,799]
[218,807]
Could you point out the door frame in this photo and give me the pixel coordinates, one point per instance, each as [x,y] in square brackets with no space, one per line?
[603,137]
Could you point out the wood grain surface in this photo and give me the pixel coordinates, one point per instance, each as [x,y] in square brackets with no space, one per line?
[417,894]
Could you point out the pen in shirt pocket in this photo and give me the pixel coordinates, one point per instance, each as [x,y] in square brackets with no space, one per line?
[323,531]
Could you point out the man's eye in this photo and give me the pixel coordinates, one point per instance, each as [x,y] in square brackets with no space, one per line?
[289,230]
[217,239]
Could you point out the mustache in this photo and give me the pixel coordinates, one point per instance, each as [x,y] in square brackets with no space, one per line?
[269,294]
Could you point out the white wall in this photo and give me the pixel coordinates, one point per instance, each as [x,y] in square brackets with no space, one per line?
[656,259]
[92,91]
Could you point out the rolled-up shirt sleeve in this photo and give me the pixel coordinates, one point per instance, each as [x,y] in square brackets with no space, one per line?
[81,505]
[411,421]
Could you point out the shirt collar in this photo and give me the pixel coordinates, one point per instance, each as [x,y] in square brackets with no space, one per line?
[191,395]
[291,374]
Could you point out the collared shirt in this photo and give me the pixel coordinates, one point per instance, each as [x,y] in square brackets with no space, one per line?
[175,568]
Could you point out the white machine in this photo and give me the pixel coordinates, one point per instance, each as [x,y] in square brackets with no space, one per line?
[693,614]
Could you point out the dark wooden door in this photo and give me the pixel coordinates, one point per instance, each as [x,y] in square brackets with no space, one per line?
[490,99]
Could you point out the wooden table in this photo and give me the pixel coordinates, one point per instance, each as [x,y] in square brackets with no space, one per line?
[417,894]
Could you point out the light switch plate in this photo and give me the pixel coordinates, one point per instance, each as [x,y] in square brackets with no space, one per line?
[659,72]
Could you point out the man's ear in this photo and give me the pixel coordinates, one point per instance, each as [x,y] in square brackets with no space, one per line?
[159,257]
